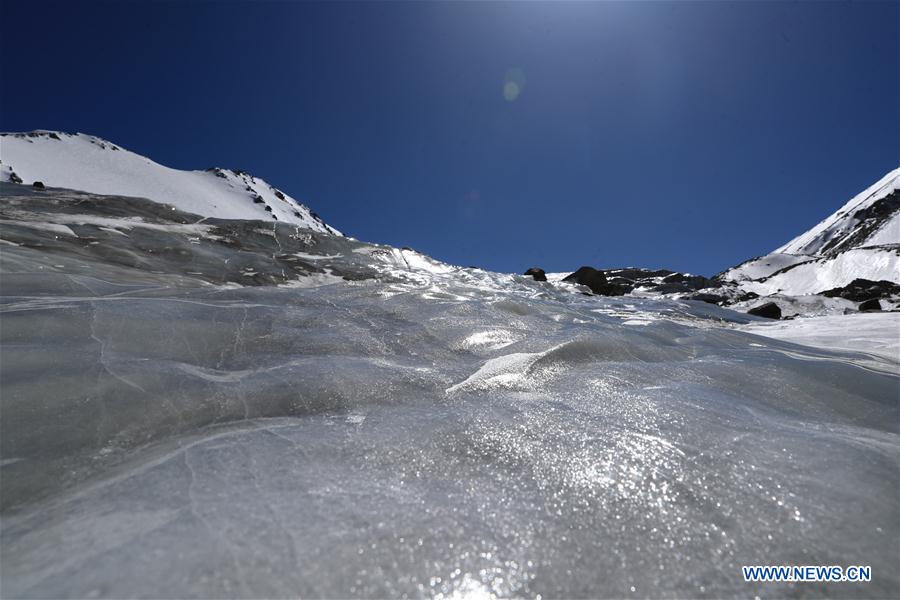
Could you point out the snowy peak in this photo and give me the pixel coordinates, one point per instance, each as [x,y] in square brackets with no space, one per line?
[871,218]
[859,241]
[91,164]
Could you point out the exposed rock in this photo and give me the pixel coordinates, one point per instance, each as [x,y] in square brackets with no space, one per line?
[633,273]
[871,219]
[38,184]
[675,278]
[669,288]
[14,178]
[860,290]
[709,298]
[872,304]
[769,310]
[537,273]
[592,278]
[696,282]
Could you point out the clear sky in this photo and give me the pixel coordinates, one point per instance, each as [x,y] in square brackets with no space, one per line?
[504,135]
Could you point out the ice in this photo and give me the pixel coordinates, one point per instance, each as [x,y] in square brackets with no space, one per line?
[171,429]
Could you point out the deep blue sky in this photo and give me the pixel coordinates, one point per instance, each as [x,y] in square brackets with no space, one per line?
[690,135]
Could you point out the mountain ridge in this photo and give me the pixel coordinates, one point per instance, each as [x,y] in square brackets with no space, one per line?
[88,163]
[876,211]
[859,241]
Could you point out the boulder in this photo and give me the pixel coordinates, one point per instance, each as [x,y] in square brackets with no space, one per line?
[868,305]
[590,277]
[769,310]
[537,274]
[38,184]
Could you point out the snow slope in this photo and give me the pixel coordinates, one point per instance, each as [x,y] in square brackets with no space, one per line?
[861,240]
[87,163]
[850,226]
[821,274]
[763,266]
[876,334]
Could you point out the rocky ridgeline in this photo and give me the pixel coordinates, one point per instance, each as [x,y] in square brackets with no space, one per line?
[870,295]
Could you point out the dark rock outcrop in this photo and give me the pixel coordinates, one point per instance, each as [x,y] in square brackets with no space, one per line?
[634,273]
[869,220]
[597,282]
[769,310]
[870,305]
[38,184]
[617,282]
[860,290]
[696,282]
[537,273]
[590,277]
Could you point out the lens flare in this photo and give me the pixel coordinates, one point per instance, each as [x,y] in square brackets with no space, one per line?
[513,84]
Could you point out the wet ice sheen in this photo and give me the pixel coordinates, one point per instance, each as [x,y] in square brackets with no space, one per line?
[418,432]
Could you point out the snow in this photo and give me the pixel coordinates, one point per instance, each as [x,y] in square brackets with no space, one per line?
[827,273]
[839,223]
[889,233]
[88,163]
[832,254]
[764,266]
[875,334]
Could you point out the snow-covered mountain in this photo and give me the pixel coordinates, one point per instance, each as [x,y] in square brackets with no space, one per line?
[871,218]
[88,163]
[861,240]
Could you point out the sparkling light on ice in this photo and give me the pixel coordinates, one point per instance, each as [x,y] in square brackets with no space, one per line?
[372,423]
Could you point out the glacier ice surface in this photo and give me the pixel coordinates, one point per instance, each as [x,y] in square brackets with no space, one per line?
[416,430]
